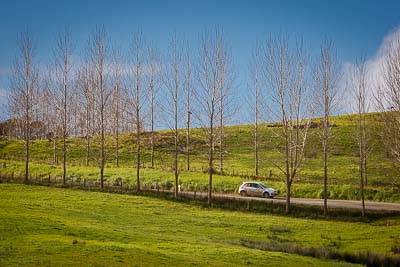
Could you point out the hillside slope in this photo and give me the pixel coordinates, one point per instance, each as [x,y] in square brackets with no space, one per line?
[238,159]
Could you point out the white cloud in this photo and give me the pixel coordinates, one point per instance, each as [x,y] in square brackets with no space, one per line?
[375,73]
[3,103]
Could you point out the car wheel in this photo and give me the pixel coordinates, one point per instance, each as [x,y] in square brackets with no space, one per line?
[266,195]
[243,193]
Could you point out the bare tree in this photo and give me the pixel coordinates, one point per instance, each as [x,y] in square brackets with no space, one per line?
[286,74]
[224,83]
[98,55]
[388,102]
[86,85]
[208,96]
[255,69]
[153,80]
[359,86]
[188,88]
[24,82]
[116,100]
[325,94]
[172,79]
[75,109]
[137,61]
[62,69]
[52,113]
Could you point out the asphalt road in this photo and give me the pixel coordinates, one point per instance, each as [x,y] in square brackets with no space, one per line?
[332,203]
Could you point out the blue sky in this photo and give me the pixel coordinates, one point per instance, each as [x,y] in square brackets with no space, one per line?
[357,27]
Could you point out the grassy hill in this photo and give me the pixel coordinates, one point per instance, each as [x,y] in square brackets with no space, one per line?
[383,181]
[64,227]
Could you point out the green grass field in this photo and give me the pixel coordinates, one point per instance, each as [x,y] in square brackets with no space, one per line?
[58,227]
[383,181]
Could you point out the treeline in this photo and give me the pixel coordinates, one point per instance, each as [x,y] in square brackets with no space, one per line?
[104,90]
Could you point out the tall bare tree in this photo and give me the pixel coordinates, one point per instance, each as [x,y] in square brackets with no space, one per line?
[188,89]
[360,88]
[208,96]
[388,101]
[325,80]
[137,61]
[255,69]
[98,56]
[154,65]
[52,113]
[116,100]
[24,82]
[286,73]
[86,85]
[62,69]
[173,82]
[225,79]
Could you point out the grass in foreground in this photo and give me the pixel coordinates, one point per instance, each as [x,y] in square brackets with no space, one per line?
[50,226]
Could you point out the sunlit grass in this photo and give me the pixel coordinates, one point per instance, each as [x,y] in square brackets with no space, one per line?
[50,226]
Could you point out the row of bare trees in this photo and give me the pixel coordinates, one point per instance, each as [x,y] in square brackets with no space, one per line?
[289,87]
[106,91]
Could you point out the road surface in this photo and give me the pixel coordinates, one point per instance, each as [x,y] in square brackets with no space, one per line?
[332,203]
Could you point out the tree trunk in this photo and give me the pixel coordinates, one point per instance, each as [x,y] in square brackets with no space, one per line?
[117,147]
[102,104]
[27,135]
[55,160]
[137,140]
[117,133]
[362,183]
[325,181]
[102,148]
[210,163]
[26,159]
[188,140]
[256,140]
[138,161]
[65,133]
[288,186]
[176,136]
[361,151]
[64,161]
[87,149]
[152,126]
[221,137]
[325,156]
[288,175]
[87,133]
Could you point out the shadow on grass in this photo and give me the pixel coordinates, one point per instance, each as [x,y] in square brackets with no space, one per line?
[368,258]
[219,202]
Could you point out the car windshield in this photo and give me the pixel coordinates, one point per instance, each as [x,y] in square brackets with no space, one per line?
[263,185]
